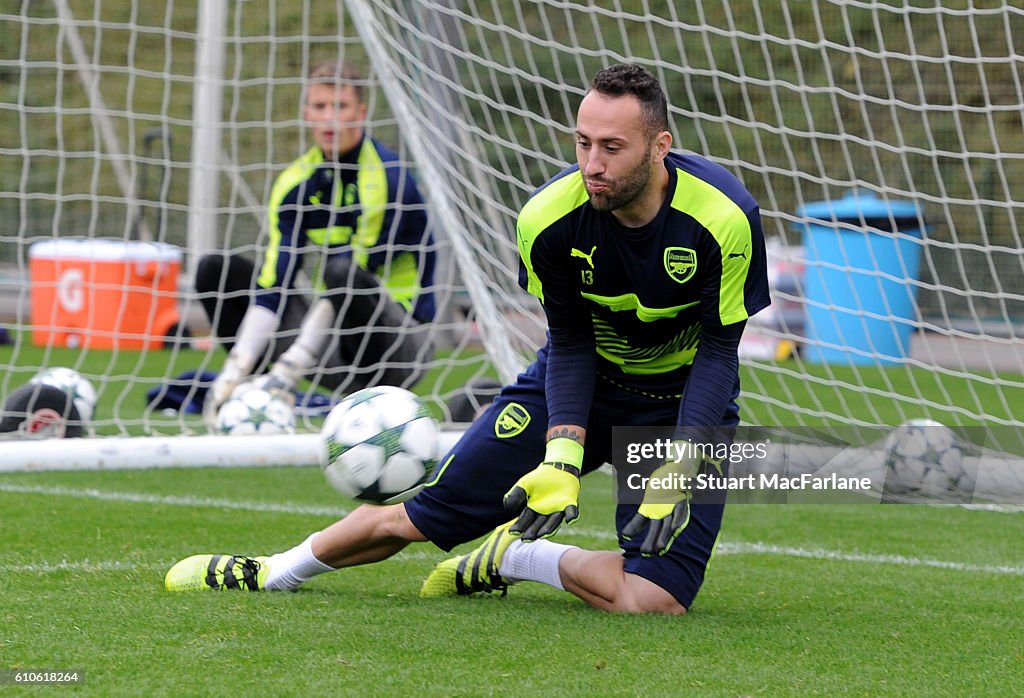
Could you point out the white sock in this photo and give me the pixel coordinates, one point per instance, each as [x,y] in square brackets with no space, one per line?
[293,567]
[536,561]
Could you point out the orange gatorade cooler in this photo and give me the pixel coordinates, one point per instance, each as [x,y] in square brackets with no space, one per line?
[106,294]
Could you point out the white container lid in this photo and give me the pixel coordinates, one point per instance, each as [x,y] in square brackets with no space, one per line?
[102,249]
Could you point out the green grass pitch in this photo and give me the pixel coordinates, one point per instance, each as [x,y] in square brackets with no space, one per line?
[801,599]
[860,600]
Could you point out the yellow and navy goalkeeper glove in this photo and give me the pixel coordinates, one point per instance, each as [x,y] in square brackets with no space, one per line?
[665,509]
[549,494]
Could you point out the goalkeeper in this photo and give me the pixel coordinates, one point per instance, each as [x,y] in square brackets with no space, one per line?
[350,203]
[648,263]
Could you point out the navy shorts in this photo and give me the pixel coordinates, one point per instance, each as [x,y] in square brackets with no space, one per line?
[464,501]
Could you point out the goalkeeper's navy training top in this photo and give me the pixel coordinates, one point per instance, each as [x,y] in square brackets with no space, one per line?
[658,309]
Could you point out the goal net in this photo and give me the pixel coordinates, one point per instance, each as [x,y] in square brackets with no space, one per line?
[882,140]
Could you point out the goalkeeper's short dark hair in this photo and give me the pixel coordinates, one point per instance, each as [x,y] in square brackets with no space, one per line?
[337,72]
[632,79]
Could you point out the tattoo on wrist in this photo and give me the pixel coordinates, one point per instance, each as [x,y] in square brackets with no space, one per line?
[571,433]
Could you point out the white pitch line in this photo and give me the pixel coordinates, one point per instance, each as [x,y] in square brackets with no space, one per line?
[85,566]
[171,500]
[724,548]
[874,559]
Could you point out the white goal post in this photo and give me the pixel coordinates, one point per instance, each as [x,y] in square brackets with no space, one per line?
[883,140]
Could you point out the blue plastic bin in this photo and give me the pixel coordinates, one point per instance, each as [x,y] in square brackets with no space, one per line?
[863,255]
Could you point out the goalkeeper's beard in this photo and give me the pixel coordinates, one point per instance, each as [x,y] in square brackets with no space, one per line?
[622,191]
